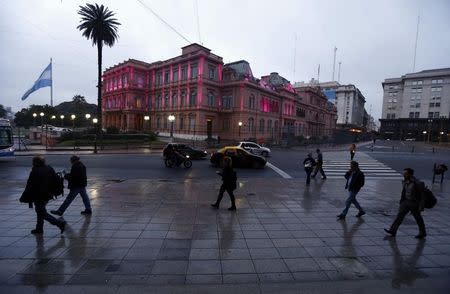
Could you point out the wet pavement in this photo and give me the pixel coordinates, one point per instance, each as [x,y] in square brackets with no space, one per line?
[160,235]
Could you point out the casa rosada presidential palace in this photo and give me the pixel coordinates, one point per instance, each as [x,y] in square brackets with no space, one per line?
[207,98]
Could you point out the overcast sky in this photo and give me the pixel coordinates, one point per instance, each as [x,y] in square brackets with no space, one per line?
[375,40]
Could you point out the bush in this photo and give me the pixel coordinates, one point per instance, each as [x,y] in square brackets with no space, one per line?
[112,130]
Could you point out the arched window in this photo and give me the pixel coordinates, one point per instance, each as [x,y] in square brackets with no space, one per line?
[192,98]
[158,122]
[261,125]
[211,99]
[269,125]
[250,125]
[251,101]
[183,99]
[166,101]
[174,100]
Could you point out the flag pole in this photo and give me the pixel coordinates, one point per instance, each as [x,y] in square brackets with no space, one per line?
[51,83]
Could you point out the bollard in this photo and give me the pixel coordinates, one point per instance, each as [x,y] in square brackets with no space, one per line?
[412,149]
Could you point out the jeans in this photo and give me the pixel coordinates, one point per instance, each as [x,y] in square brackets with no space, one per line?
[319,168]
[230,192]
[351,199]
[403,210]
[308,171]
[72,194]
[42,215]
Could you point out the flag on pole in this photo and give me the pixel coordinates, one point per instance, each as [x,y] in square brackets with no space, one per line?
[44,80]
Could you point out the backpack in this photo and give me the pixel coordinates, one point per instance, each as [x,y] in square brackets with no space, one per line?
[429,199]
[56,183]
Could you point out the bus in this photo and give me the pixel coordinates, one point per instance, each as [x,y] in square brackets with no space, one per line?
[6,139]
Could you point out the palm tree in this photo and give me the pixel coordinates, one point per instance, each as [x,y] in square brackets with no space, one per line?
[98,24]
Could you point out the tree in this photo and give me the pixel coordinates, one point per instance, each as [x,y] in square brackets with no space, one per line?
[2,111]
[79,99]
[24,117]
[99,25]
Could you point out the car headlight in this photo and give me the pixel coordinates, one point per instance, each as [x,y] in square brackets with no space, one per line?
[206,152]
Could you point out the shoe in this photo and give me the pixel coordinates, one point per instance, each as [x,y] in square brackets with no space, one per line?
[390,232]
[37,232]
[324,178]
[361,213]
[420,236]
[86,212]
[62,226]
[232,208]
[340,216]
[216,206]
[56,212]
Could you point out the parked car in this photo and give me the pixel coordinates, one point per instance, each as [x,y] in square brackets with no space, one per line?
[255,148]
[239,156]
[184,149]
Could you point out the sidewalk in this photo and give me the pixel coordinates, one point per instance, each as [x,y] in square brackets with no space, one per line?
[284,237]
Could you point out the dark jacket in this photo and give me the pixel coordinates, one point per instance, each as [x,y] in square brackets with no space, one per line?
[228,178]
[38,184]
[309,160]
[356,182]
[77,177]
[417,191]
[319,159]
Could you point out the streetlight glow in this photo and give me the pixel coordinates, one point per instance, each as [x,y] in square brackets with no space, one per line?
[41,114]
[88,116]
[171,118]
[240,124]
[53,116]
[94,120]
[73,116]
[424,132]
[61,116]
[146,117]
[34,115]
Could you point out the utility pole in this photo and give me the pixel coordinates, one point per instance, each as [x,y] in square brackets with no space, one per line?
[415,46]
[339,72]
[334,62]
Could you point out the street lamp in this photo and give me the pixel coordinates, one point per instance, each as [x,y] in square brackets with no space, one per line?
[430,122]
[87,116]
[73,116]
[34,119]
[240,126]
[62,120]
[95,121]
[171,119]
[42,124]
[146,119]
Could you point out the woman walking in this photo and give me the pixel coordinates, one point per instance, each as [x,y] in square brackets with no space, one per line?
[228,183]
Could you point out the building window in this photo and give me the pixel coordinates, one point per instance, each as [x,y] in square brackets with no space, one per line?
[174,100]
[159,78]
[416,114]
[250,125]
[269,125]
[411,115]
[437,104]
[175,75]
[192,98]
[436,115]
[158,122]
[261,125]
[166,77]
[438,81]
[226,124]
[192,123]
[414,83]
[226,102]
[166,100]
[430,114]
[211,72]
[181,122]
[418,105]
[182,99]
[431,104]
[158,102]
[251,101]
[211,100]
[165,123]
[194,71]
[436,89]
[183,73]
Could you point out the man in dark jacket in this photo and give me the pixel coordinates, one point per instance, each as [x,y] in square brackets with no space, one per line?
[319,164]
[77,185]
[38,191]
[412,200]
[355,181]
[309,164]
[228,183]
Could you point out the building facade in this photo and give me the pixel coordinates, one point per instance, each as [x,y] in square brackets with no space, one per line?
[207,98]
[417,105]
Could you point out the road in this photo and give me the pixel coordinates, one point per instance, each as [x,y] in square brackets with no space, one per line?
[382,163]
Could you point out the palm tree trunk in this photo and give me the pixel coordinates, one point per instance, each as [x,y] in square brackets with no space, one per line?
[99,92]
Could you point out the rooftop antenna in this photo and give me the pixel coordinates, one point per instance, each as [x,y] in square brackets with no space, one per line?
[318,74]
[339,72]
[334,62]
[198,22]
[415,47]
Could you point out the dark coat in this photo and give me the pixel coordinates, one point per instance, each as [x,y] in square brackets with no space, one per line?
[417,191]
[229,178]
[309,160]
[38,185]
[77,177]
[319,159]
[357,181]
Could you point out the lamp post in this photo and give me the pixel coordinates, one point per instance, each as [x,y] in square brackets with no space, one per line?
[240,126]
[88,117]
[147,128]
[95,121]
[34,119]
[62,120]
[430,121]
[42,124]
[73,116]
[171,119]
[424,135]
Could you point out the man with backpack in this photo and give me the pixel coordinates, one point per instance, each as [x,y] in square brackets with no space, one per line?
[355,181]
[77,185]
[412,200]
[38,191]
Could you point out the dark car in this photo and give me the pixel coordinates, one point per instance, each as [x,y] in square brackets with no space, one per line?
[239,156]
[186,150]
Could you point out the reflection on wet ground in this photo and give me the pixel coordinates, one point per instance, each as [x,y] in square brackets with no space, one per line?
[150,232]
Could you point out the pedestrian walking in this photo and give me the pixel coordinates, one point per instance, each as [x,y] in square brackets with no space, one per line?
[411,200]
[229,179]
[319,165]
[309,164]
[352,151]
[77,185]
[355,181]
[38,192]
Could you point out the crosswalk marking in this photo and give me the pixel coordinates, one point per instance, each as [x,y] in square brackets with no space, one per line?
[372,168]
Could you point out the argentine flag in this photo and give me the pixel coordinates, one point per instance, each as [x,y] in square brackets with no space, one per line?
[44,80]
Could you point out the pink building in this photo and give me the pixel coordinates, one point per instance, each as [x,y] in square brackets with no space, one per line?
[208,99]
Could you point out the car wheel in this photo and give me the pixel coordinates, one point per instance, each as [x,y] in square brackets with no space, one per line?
[187,163]
[265,153]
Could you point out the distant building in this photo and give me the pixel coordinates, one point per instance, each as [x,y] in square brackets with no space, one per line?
[208,99]
[417,105]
